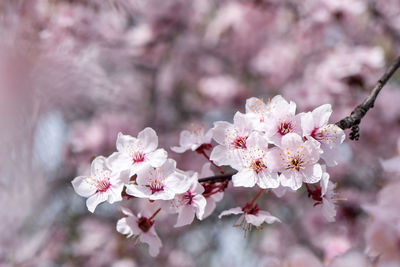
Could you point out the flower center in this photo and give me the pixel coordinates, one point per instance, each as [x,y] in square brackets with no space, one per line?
[258,165]
[137,157]
[240,142]
[145,224]
[327,134]
[285,127]
[103,185]
[296,163]
[250,209]
[187,198]
[156,186]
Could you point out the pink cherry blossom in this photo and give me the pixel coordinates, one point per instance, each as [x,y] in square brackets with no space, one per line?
[140,227]
[232,138]
[283,121]
[190,203]
[192,139]
[326,197]
[251,216]
[315,125]
[103,184]
[135,153]
[257,164]
[259,111]
[159,183]
[299,161]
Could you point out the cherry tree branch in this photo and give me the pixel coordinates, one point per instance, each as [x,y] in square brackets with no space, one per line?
[353,120]
[217,178]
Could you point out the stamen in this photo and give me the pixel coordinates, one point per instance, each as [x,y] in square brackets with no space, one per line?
[285,127]
[138,156]
[103,185]
[239,142]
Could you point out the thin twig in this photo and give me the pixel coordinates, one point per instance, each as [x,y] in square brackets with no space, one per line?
[217,178]
[353,120]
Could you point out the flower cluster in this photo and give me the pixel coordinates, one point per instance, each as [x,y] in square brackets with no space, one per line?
[269,146]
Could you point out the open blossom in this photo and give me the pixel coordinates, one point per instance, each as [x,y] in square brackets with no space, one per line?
[299,161]
[190,203]
[256,165]
[192,139]
[315,125]
[325,197]
[103,184]
[232,138]
[159,183]
[135,153]
[251,215]
[141,228]
[260,111]
[283,121]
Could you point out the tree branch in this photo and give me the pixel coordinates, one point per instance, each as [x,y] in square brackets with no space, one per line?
[217,178]
[353,120]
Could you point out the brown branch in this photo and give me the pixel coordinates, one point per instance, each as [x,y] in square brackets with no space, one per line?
[359,112]
[217,178]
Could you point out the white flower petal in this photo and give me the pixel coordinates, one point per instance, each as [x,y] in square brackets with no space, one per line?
[119,161]
[268,180]
[98,166]
[219,131]
[292,179]
[244,177]
[83,186]
[321,115]
[124,142]
[152,239]
[95,200]
[157,158]
[148,139]
[312,174]
[185,216]
[199,202]
[237,210]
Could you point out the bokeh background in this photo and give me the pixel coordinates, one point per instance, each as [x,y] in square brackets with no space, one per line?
[73,73]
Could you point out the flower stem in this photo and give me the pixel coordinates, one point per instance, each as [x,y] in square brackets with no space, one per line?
[256,196]
[154,214]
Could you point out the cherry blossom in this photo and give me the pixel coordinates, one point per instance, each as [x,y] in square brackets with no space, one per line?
[251,216]
[192,139]
[103,184]
[257,164]
[190,203]
[159,183]
[259,111]
[135,153]
[325,197]
[141,228]
[283,121]
[232,138]
[299,161]
[315,125]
